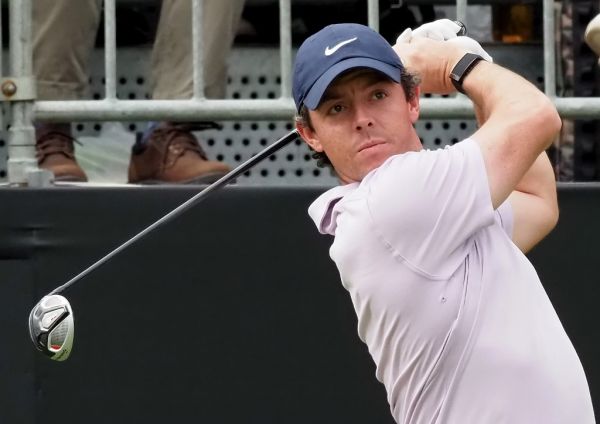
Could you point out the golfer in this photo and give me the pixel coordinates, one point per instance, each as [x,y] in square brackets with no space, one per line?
[430,244]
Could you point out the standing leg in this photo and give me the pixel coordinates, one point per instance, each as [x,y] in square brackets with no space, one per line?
[170,152]
[64,32]
[172,55]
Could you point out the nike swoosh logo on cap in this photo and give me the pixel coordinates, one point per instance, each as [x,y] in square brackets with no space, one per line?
[331,50]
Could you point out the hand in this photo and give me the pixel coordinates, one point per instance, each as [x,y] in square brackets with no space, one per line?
[441,30]
[432,61]
[445,30]
[471,46]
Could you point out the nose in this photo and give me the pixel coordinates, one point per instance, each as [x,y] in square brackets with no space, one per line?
[362,118]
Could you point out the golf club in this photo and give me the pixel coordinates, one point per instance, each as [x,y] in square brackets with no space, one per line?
[51,321]
[463,29]
[51,326]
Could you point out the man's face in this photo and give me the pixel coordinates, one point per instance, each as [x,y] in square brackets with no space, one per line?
[363,119]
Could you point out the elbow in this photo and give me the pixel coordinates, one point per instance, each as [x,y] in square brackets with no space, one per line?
[555,124]
[551,214]
[550,121]
[547,222]
[553,217]
[552,209]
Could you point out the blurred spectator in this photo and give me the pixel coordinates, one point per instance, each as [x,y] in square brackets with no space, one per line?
[64,37]
[592,34]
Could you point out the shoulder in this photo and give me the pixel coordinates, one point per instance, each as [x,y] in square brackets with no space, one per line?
[421,177]
[427,205]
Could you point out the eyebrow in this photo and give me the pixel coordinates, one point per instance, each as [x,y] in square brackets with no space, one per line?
[330,95]
[333,93]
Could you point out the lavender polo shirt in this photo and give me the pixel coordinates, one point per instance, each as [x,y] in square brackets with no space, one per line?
[453,314]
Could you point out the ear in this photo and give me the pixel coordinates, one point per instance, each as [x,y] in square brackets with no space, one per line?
[413,105]
[310,137]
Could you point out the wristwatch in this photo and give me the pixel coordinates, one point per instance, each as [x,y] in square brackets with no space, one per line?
[462,69]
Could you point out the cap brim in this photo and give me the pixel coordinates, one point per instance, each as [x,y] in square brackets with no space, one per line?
[313,98]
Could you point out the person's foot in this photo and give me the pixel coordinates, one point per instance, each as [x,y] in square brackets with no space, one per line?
[55,151]
[172,154]
[592,34]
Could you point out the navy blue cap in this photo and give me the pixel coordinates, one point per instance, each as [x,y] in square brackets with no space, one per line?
[335,49]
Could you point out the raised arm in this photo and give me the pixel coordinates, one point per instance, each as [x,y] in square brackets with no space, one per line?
[518,124]
[534,204]
[534,201]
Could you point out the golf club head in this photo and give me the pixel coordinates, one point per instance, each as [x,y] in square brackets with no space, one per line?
[51,327]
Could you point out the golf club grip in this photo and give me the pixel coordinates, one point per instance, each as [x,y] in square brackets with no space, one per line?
[268,151]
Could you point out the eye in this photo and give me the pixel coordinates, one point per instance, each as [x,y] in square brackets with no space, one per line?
[378,95]
[335,109]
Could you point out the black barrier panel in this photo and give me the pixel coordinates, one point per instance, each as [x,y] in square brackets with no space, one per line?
[231,313]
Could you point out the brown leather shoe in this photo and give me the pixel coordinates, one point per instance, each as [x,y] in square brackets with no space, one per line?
[55,152]
[173,155]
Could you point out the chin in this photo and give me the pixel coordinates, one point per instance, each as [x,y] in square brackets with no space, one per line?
[377,158]
[372,165]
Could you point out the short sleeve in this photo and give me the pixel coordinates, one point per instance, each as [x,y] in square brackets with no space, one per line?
[426,206]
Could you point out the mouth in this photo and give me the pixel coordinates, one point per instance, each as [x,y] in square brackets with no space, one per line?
[368,145]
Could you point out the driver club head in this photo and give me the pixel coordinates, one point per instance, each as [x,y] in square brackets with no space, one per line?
[51,327]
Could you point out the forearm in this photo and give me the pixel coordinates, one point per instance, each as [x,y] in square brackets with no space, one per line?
[528,123]
[505,100]
[534,204]
[540,180]
[518,124]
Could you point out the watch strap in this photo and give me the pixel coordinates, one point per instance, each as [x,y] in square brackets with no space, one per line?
[462,69]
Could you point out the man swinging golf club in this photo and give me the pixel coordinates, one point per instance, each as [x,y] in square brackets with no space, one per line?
[430,244]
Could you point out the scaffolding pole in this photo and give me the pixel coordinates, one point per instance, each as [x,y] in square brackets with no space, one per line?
[21,138]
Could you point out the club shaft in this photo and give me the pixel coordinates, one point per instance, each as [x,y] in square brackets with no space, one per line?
[463,29]
[268,151]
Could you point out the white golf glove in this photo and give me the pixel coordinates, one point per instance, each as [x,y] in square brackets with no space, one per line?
[441,30]
[444,30]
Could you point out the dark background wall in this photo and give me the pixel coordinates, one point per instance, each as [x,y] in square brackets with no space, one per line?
[231,313]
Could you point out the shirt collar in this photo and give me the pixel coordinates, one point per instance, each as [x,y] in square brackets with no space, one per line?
[322,209]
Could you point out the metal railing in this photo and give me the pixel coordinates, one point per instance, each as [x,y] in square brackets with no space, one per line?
[19,90]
